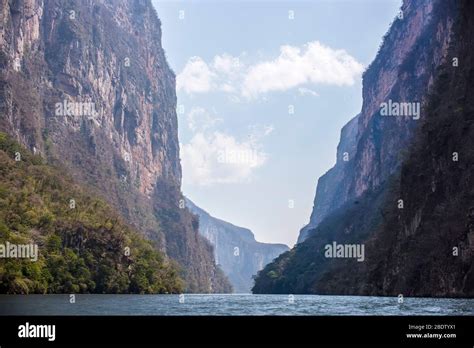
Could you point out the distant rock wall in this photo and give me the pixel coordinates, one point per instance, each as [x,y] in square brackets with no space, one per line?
[235,249]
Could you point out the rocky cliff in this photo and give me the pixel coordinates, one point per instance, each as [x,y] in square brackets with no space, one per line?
[86,84]
[404,195]
[235,249]
[427,247]
[403,70]
[329,193]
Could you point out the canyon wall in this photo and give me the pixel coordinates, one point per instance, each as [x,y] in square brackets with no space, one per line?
[85,84]
[404,194]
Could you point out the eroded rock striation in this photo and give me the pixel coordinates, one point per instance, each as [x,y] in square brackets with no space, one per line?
[86,84]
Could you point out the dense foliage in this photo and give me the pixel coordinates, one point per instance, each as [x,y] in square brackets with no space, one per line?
[84,246]
[300,269]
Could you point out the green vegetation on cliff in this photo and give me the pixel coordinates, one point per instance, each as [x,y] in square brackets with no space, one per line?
[83,244]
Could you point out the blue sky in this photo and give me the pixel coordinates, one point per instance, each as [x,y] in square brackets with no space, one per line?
[264,88]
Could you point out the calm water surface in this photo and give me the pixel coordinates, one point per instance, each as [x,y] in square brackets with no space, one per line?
[233,304]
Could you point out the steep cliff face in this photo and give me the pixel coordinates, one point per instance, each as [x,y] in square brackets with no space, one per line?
[427,248]
[409,201]
[107,53]
[329,193]
[87,84]
[403,71]
[235,249]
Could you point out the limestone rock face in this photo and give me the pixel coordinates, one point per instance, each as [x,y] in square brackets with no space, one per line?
[106,53]
[86,84]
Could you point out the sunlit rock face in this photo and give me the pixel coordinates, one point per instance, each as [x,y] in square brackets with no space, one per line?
[86,84]
[101,52]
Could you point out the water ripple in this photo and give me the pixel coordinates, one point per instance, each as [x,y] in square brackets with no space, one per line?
[230,304]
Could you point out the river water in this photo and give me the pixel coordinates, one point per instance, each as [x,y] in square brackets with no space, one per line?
[229,304]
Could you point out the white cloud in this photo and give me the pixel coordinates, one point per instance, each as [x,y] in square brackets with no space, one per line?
[216,157]
[226,64]
[310,64]
[307,91]
[200,120]
[196,77]
[200,77]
